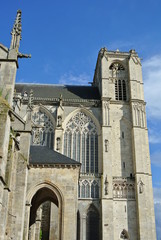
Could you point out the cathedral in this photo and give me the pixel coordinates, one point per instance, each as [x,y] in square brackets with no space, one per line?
[74,160]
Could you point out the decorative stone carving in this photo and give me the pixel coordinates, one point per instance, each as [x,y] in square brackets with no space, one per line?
[103,53]
[30,100]
[17,100]
[106,185]
[61,100]
[123,188]
[106,145]
[59,121]
[124,235]
[139,114]
[17,141]
[106,117]
[42,129]
[58,144]
[141,186]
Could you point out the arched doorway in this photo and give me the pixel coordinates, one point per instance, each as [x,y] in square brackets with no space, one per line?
[45,215]
[92,224]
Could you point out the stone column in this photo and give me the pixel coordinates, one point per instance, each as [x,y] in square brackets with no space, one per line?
[83,227]
[26,223]
[38,224]
[54,223]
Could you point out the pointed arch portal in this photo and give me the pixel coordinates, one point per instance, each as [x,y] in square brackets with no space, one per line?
[92,224]
[45,215]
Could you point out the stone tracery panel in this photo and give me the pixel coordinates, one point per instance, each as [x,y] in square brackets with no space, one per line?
[139,114]
[88,188]
[123,188]
[42,129]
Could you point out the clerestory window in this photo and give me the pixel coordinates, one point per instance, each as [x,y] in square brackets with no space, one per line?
[81,142]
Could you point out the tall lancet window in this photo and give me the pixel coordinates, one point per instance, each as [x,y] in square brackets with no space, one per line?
[42,129]
[81,142]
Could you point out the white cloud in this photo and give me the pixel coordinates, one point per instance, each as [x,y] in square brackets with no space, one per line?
[157,207]
[152,86]
[69,78]
[156,159]
[157,195]
[154,134]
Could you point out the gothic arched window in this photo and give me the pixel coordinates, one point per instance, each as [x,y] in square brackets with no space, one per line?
[120,90]
[85,189]
[81,142]
[116,66]
[94,189]
[42,129]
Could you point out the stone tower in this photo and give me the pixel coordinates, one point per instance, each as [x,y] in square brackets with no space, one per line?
[125,160]
[74,160]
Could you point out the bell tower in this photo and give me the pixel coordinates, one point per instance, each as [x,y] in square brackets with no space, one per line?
[127,196]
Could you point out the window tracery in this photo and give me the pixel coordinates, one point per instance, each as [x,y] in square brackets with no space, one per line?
[88,188]
[42,129]
[116,66]
[81,142]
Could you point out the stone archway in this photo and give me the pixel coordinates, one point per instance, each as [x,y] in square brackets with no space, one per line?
[45,214]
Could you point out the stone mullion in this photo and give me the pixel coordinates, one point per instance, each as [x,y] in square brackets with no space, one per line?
[90,188]
[80,147]
[67,142]
[85,151]
[49,139]
[94,159]
[89,152]
[122,90]
[71,149]
[46,138]
[76,143]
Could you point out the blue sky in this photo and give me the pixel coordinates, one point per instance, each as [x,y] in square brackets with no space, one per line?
[64,38]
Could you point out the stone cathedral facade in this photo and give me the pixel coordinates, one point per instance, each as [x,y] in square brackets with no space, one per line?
[74,160]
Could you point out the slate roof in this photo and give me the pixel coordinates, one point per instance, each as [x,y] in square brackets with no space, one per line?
[42,155]
[54,91]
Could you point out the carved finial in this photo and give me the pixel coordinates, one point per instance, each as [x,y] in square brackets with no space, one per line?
[61,100]
[16,32]
[103,52]
[30,100]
